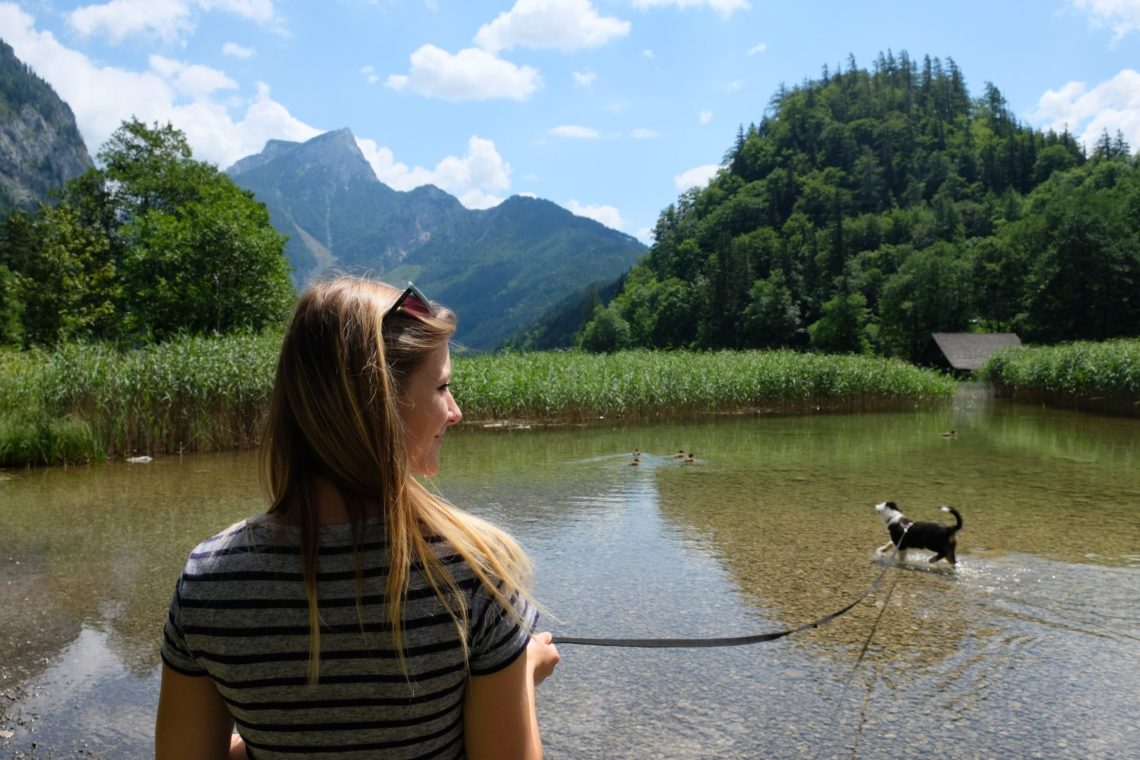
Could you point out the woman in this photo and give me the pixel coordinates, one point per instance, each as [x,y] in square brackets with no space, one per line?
[361,616]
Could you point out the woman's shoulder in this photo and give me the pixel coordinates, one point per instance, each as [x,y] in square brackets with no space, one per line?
[238,533]
[251,535]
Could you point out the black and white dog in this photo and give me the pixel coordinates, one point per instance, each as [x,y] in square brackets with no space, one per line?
[907,534]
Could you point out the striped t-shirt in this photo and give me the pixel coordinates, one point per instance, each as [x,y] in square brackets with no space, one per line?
[239,615]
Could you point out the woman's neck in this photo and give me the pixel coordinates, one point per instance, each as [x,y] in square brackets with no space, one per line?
[330,504]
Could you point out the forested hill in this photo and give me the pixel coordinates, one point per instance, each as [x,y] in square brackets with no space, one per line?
[869,208]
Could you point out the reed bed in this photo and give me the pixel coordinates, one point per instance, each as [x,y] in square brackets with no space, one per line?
[643,385]
[84,402]
[1102,377]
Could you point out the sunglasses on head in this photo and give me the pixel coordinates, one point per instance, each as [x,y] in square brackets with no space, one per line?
[412,301]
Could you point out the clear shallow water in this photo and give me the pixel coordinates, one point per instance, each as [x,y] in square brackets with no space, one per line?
[1031,648]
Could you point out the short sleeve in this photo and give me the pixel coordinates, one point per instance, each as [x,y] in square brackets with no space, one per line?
[497,638]
[174,650]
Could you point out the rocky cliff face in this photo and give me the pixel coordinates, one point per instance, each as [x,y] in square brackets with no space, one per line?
[40,145]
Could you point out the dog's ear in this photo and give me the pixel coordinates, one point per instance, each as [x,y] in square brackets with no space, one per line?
[892,505]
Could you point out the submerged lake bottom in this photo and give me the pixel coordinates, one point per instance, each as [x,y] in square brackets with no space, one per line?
[1029,647]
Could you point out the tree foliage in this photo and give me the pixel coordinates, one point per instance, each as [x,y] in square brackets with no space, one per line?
[868,209]
[151,245]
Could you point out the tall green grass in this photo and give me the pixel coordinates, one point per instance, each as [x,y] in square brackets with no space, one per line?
[640,385]
[84,402]
[1094,376]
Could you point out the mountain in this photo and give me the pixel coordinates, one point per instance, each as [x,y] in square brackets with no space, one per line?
[40,146]
[500,269]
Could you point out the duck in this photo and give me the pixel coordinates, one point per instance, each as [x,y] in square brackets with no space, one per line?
[950,434]
[680,454]
[690,459]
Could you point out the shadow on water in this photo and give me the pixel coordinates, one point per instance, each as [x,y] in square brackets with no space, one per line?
[1026,649]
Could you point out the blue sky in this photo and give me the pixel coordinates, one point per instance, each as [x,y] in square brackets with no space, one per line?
[610,109]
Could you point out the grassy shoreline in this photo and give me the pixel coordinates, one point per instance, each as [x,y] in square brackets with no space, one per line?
[90,402]
[1097,377]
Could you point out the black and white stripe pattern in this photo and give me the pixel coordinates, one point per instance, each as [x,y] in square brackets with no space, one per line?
[239,615]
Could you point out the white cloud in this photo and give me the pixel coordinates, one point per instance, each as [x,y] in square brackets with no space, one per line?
[645,235]
[265,119]
[559,24]
[607,215]
[575,132]
[168,20]
[583,78]
[648,53]
[191,80]
[758,48]
[370,74]
[1112,105]
[102,97]
[729,87]
[724,7]
[470,74]
[704,117]
[391,172]
[260,11]
[643,134]
[698,176]
[234,50]
[479,179]
[1121,16]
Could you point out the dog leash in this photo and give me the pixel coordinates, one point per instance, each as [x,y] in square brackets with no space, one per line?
[859,659]
[725,641]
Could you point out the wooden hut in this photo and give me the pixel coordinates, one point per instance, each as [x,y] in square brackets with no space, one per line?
[962,353]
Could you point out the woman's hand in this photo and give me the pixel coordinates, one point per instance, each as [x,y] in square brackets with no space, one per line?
[541,656]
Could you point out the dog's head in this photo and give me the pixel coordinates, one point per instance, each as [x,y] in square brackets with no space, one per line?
[889,512]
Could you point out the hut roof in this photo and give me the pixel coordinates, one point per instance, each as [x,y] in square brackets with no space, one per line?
[968,351]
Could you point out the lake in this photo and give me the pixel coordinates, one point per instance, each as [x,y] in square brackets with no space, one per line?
[1029,648]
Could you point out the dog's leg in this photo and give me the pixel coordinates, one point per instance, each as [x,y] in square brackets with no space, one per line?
[885,547]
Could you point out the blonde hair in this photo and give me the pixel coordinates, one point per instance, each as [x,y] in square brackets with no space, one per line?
[334,413]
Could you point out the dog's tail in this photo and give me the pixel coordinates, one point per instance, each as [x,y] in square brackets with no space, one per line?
[957,516]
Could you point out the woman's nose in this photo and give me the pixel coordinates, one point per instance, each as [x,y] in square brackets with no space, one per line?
[454,414]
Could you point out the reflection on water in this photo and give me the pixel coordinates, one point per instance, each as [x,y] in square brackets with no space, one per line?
[1029,648]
